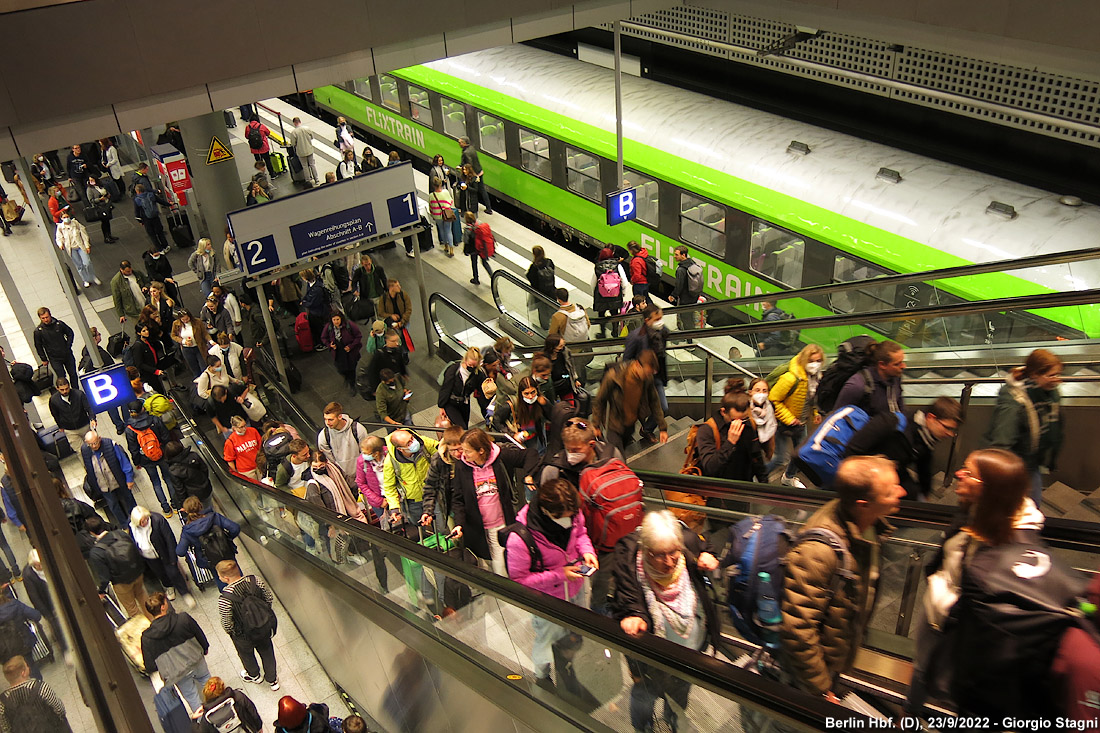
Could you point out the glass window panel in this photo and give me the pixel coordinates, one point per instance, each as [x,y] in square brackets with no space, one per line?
[388,86]
[872,298]
[492,134]
[648,200]
[454,117]
[703,223]
[420,106]
[583,174]
[777,254]
[534,153]
[362,88]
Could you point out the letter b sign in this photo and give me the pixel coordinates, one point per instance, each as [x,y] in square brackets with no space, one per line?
[622,206]
[107,389]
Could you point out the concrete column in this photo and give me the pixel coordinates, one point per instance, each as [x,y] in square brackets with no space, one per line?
[217,187]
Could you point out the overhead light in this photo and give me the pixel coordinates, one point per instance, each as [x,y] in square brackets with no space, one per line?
[889,175]
[798,147]
[1000,208]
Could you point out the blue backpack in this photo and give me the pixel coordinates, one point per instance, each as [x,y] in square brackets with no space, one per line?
[760,544]
[823,451]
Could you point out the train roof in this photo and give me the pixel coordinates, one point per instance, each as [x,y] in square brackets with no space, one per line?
[936,204]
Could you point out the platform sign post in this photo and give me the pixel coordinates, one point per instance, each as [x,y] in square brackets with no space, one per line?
[622,206]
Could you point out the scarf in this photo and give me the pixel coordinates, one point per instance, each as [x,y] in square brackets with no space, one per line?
[334,483]
[538,520]
[670,597]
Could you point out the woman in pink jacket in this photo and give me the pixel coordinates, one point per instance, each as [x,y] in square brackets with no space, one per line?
[548,550]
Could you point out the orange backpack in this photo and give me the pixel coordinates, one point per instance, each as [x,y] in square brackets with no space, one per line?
[149,443]
[694,520]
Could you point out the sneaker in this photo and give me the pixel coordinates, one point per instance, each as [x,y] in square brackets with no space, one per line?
[246,678]
[97,281]
[17,576]
[87,284]
[475,281]
[170,594]
[410,255]
[275,685]
[189,601]
[793,482]
[319,347]
[169,513]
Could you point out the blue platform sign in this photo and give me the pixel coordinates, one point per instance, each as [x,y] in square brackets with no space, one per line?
[622,206]
[403,210]
[108,388]
[260,254]
[333,230]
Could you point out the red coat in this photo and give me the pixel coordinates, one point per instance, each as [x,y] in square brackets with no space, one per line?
[637,268]
[55,208]
[266,147]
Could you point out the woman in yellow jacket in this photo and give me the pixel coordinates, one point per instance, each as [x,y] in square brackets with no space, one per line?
[795,407]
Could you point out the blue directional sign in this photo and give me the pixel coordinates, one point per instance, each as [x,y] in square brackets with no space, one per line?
[622,206]
[108,388]
[260,254]
[333,230]
[403,210]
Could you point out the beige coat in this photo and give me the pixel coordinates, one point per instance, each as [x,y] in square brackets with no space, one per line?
[72,235]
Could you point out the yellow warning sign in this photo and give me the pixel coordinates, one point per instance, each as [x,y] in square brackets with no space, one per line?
[218,152]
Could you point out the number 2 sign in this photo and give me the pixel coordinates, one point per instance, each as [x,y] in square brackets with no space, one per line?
[258,255]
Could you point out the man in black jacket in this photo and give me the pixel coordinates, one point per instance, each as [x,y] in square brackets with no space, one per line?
[140,448]
[38,591]
[911,449]
[736,454]
[53,340]
[688,288]
[174,648]
[189,472]
[71,412]
[116,560]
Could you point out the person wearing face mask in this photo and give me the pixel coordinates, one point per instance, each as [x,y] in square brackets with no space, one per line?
[57,204]
[483,497]
[72,238]
[795,407]
[545,549]
[391,356]
[651,335]
[460,380]
[542,372]
[391,400]
[524,417]
[204,264]
[1027,419]
[214,375]
[727,446]
[404,473]
[628,394]
[763,413]
[326,486]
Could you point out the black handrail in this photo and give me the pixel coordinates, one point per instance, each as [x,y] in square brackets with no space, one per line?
[1014,303]
[436,298]
[700,669]
[501,274]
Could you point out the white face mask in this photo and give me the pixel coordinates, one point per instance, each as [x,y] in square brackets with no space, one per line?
[564,522]
[760,398]
[530,400]
[813,367]
[575,458]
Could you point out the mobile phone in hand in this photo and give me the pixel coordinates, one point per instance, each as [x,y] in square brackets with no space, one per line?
[585,570]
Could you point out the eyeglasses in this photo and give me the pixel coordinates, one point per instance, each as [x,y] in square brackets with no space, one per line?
[672,555]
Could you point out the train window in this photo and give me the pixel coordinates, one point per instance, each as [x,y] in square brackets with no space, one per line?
[362,88]
[454,117]
[776,254]
[534,153]
[871,298]
[703,223]
[492,134]
[583,173]
[419,105]
[648,200]
[388,85]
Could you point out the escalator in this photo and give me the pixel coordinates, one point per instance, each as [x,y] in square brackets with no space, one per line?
[356,622]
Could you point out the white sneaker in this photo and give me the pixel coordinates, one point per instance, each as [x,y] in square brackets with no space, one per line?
[793,482]
[97,281]
[189,601]
[275,685]
[356,560]
[246,678]
[170,593]
[410,255]
[87,284]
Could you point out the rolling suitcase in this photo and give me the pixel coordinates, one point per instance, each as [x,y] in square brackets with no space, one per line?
[41,378]
[180,229]
[40,652]
[203,577]
[172,711]
[127,630]
[53,441]
[230,118]
[424,236]
[302,333]
[278,163]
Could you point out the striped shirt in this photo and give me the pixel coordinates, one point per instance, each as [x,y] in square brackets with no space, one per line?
[225,605]
[32,692]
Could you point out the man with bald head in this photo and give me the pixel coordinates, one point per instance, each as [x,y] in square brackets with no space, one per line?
[110,475]
[403,475]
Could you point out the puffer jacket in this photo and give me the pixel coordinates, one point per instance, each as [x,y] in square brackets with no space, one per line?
[1027,421]
[822,630]
[789,402]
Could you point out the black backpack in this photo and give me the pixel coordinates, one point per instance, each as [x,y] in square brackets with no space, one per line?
[216,545]
[13,639]
[851,356]
[652,271]
[30,713]
[252,614]
[545,281]
[521,529]
[123,558]
[255,138]
[73,514]
[340,275]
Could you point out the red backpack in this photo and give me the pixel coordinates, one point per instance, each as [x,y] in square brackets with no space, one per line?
[613,508]
[484,243]
[302,332]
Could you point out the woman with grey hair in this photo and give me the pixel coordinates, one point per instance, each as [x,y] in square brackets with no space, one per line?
[660,589]
[156,542]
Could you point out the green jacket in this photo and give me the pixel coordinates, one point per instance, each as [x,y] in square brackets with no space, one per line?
[1027,421]
[406,479]
[390,403]
[123,297]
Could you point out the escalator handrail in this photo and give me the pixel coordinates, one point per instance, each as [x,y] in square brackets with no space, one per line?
[501,274]
[436,298]
[945,273]
[1016,302]
[700,669]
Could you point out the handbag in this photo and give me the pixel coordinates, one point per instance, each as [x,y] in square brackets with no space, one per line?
[448,213]
[407,338]
[71,194]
